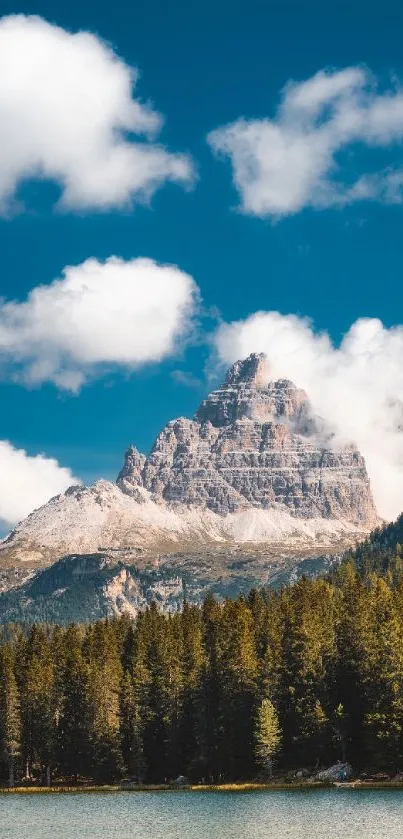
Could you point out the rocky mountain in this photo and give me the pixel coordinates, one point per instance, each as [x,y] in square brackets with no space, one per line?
[253,446]
[255,471]
[84,587]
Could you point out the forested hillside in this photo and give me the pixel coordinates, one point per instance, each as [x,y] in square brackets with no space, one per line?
[382,552]
[298,678]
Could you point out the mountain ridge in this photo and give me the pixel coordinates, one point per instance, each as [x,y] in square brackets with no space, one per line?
[254,467]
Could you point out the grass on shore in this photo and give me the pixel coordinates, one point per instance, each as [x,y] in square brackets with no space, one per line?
[84,788]
[278,786]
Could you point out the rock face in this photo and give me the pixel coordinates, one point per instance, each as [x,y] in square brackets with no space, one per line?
[253,466]
[130,476]
[83,587]
[255,444]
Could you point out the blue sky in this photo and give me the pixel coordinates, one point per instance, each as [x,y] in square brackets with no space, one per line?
[204,65]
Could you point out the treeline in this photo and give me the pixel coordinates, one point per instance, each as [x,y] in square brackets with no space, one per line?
[301,677]
[381,552]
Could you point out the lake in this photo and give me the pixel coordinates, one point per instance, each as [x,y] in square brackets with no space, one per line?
[319,814]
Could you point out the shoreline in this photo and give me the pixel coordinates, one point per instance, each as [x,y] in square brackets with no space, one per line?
[238,787]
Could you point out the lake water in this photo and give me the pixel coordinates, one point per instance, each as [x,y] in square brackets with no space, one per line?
[321,814]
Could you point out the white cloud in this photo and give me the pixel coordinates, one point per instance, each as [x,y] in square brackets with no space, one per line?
[98,315]
[67,113]
[28,482]
[284,164]
[356,387]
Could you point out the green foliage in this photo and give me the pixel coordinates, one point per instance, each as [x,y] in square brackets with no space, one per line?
[267,735]
[381,553]
[10,719]
[303,677]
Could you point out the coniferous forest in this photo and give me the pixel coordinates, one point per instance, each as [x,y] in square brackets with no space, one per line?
[285,680]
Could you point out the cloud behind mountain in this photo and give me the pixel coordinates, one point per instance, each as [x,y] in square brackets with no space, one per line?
[356,387]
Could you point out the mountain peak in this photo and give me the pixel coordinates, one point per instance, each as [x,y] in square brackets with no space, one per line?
[247,393]
[252,466]
[253,444]
[252,371]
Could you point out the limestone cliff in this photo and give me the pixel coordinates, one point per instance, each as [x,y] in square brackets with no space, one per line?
[253,443]
[254,465]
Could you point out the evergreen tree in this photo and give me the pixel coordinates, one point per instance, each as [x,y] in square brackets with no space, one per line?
[193,662]
[10,722]
[239,673]
[211,692]
[209,697]
[38,707]
[340,731]
[74,722]
[105,673]
[353,628]
[131,729]
[308,660]
[136,713]
[383,681]
[267,736]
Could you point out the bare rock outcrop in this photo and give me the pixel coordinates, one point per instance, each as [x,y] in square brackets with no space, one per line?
[253,466]
[254,443]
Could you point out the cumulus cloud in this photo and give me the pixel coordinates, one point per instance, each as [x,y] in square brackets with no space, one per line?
[67,113]
[292,161]
[97,315]
[28,482]
[356,387]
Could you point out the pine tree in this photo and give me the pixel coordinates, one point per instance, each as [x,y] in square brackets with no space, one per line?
[10,722]
[267,736]
[102,657]
[38,709]
[133,700]
[74,722]
[308,660]
[352,628]
[193,661]
[209,701]
[131,729]
[339,722]
[383,681]
[269,631]
[153,664]
[238,667]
